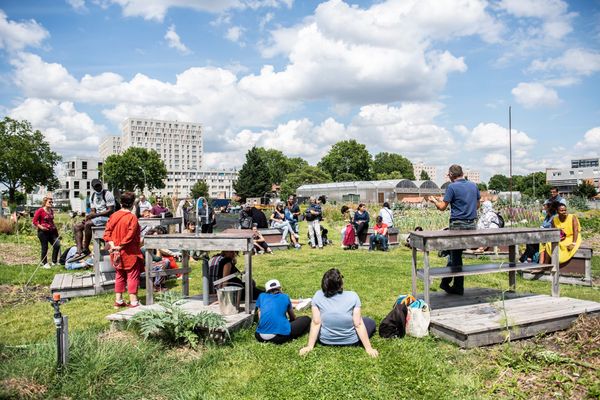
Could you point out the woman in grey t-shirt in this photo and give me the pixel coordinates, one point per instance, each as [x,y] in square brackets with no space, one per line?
[336,317]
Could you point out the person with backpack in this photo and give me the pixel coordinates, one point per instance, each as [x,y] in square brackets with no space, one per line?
[488,219]
[336,317]
[387,215]
[273,323]
[348,233]
[102,204]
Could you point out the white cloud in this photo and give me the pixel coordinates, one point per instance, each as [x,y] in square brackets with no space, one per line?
[492,137]
[66,129]
[157,9]
[556,20]
[234,34]
[590,144]
[495,161]
[174,41]
[265,20]
[531,95]
[18,35]
[387,52]
[77,5]
[578,61]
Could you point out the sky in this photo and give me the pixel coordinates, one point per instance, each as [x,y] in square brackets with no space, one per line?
[432,80]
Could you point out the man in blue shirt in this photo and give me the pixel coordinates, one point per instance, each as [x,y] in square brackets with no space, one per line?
[463,198]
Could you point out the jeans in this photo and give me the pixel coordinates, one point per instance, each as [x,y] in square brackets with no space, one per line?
[284,227]
[376,239]
[314,232]
[455,259]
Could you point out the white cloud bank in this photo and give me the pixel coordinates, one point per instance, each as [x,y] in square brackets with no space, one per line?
[531,95]
[18,35]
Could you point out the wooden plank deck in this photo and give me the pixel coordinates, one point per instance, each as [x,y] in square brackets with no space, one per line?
[479,269]
[80,284]
[194,305]
[493,322]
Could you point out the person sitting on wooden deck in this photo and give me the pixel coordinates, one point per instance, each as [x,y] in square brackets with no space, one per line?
[273,324]
[260,244]
[379,238]
[570,237]
[279,222]
[122,238]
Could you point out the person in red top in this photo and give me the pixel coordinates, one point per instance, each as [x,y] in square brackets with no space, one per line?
[43,220]
[122,237]
[379,236]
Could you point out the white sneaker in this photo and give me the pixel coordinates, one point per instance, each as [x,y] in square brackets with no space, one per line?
[46,266]
[284,242]
[297,245]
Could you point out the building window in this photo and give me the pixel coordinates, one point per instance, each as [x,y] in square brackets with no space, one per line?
[75,184]
[67,185]
[84,175]
[84,165]
[76,194]
[87,184]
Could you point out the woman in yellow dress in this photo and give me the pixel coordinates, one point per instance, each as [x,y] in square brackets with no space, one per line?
[570,237]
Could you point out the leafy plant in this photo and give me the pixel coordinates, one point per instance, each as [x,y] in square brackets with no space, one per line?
[578,203]
[175,325]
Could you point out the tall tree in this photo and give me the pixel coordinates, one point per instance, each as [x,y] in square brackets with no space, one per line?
[347,157]
[253,177]
[199,189]
[499,183]
[302,176]
[26,160]
[424,175]
[586,190]
[534,183]
[482,187]
[387,163]
[135,168]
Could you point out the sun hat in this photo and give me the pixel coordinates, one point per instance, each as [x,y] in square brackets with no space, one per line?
[272,284]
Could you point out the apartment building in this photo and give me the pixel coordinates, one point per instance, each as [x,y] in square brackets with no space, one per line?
[429,169]
[566,180]
[472,175]
[110,145]
[75,180]
[179,145]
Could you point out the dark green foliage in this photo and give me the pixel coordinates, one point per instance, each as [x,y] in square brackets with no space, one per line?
[499,183]
[578,203]
[253,179]
[347,157]
[303,175]
[26,159]
[135,168]
[482,187]
[175,325]
[200,189]
[424,175]
[390,163]
[531,186]
[279,165]
[585,190]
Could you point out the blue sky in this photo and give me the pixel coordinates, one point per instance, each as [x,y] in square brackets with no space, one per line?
[429,79]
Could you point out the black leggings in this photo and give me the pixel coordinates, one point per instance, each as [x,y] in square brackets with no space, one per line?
[299,327]
[49,238]
[361,231]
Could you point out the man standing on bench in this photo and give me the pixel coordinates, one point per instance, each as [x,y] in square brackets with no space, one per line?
[463,197]
[102,206]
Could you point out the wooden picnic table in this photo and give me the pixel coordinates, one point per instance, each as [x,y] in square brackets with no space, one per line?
[187,242]
[427,241]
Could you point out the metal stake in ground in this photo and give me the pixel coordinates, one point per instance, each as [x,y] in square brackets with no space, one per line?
[62,333]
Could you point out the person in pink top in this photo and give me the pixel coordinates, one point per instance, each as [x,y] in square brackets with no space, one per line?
[43,220]
[379,236]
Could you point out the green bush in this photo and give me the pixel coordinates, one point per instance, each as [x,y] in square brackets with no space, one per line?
[175,325]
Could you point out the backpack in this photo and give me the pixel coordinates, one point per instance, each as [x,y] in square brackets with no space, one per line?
[349,239]
[500,220]
[394,324]
[117,203]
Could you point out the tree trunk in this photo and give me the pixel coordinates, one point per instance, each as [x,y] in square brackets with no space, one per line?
[11,194]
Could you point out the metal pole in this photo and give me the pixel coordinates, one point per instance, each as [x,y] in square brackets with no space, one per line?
[510,182]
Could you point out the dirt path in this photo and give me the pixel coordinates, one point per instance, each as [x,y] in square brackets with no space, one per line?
[16,254]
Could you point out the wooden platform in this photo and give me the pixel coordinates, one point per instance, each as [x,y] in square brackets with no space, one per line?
[516,318]
[193,305]
[81,284]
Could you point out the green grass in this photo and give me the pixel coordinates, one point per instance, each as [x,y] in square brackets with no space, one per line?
[130,368]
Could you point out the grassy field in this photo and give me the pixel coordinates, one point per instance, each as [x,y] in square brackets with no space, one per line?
[107,364]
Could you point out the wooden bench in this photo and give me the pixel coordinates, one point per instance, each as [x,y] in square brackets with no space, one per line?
[272,237]
[577,271]
[427,241]
[393,238]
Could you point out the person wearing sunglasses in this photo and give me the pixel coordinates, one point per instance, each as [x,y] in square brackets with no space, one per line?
[43,220]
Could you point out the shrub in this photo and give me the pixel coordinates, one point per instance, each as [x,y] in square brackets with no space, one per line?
[175,325]
[6,226]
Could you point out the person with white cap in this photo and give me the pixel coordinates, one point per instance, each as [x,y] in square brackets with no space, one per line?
[273,324]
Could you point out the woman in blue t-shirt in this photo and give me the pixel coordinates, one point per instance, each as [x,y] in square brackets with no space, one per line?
[273,324]
[336,317]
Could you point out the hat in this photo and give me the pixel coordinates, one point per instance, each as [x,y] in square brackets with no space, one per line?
[96,182]
[272,284]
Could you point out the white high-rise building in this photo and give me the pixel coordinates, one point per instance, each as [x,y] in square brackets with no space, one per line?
[179,145]
[472,175]
[110,145]
[429,169]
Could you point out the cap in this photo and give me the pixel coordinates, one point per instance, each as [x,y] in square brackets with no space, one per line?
[272,284]
[96,182]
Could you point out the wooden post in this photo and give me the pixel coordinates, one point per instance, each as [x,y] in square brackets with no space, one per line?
[555,271]
[185,277]
[248,262]
[414,272]
[426,280]
[149,284]
[97,275]
[512,275]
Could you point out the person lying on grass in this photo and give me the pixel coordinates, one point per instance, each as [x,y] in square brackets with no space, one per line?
[336,317]
[273,324]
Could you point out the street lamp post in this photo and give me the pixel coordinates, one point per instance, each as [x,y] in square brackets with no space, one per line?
[143,172]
